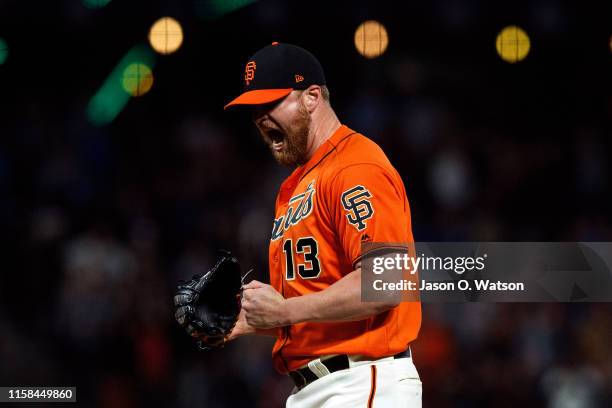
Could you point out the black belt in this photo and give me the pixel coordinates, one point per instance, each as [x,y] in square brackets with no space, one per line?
[303,376]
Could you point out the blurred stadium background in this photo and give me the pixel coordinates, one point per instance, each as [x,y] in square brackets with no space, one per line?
[107,199]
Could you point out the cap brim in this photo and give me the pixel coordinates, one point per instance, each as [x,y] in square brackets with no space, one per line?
[259,97]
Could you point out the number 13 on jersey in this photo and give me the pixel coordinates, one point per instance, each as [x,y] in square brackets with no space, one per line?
[307,249]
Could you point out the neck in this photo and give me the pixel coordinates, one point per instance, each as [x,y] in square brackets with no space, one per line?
[323,126]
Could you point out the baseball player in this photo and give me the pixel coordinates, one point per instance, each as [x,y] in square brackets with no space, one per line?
[340,351]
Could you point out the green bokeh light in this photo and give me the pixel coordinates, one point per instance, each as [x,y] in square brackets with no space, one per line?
[95,4]
[3,51]
[111,98]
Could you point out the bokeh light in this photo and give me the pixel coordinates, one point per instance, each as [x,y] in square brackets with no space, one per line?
[95,4]
[137,79]
[512,44]
[111,97]
[3,51]
[166,35]
[371,39]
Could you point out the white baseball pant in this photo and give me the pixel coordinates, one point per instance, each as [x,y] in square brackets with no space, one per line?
[381,383]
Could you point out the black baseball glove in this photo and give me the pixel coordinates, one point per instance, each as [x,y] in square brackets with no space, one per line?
[207,307]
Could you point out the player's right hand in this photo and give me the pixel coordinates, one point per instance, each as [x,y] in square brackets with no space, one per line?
[241,328]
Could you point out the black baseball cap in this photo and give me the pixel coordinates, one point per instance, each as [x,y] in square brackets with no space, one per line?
[276,70]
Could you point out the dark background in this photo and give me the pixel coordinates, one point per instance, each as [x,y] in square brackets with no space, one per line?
[97,223]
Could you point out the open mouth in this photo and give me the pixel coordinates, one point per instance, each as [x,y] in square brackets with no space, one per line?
[276,136]
[276,139]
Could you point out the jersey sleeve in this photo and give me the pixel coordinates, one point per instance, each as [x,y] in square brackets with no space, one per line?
[368,203]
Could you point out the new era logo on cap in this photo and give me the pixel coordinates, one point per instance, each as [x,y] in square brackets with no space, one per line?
[276,70]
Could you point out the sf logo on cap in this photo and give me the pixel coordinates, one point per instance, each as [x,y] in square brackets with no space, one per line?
[249,72]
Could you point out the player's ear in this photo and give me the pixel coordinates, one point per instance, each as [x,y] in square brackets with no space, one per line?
[311,97]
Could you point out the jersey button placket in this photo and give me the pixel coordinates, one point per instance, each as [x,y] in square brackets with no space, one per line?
[279,252]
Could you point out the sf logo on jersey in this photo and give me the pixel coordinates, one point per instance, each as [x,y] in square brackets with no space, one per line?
[358,206]
[300,207]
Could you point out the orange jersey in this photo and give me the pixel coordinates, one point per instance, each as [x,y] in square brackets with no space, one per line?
[348,191]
